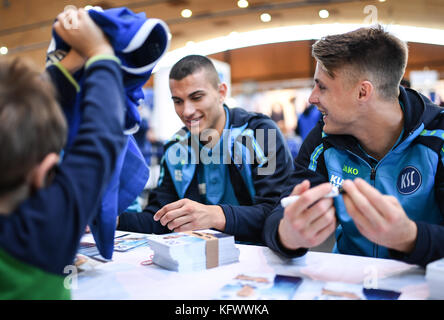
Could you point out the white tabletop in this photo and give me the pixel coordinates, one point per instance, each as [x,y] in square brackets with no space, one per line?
[126,278]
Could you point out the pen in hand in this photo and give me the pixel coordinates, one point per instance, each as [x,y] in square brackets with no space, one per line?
[335,191]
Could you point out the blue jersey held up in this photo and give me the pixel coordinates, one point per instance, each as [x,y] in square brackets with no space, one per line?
[138,43]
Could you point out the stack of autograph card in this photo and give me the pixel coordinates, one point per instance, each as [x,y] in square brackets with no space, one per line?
[193,250]
[435,279]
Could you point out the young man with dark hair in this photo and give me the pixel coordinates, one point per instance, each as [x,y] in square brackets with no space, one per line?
[45,207]
[383,143]
[224,170]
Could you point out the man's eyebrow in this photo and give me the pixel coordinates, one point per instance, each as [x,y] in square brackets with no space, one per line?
[190,95]
[196,92]
[318,82]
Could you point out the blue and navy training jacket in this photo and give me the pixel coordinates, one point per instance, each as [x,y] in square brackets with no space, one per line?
[412,172]
[255,146]
[41,237]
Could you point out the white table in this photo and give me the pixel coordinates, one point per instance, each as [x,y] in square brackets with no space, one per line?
[126,278]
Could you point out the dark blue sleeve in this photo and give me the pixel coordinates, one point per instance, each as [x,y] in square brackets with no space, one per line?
[247,221]
[143,222]
[45,230]
[429,245]
[301,172]
[66,92]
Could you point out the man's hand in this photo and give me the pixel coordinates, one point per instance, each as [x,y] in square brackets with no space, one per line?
[309,220]
[187,215]
[379,218]
[77,29]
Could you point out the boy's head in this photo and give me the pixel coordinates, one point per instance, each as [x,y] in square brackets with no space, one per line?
[198,94]
[370,53]
[32,127]
[192,64]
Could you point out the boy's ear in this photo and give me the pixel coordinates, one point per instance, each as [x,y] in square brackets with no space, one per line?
[365,91]
[40,172]
[223,89]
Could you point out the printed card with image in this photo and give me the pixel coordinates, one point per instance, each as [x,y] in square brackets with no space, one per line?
[128,242]
[260,287]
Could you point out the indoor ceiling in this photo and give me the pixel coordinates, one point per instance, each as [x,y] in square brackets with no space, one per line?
[25,24]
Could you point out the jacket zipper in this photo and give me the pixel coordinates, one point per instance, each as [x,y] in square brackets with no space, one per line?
[373,182]
[373,176]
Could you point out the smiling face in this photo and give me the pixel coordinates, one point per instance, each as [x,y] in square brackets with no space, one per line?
[335,99]
[198,103]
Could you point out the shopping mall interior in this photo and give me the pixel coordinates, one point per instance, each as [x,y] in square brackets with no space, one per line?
[262,48]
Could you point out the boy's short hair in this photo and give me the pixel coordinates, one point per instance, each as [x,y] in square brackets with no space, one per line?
[405,83]
[192,64]
[32,124]
[370,52]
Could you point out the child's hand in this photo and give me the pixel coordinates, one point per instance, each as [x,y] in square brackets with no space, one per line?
[77,29]
[73,61]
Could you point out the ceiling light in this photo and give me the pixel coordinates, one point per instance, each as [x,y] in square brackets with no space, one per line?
[293,33]
[324,13]
[381,0]
[242,3]
[186,13]
[3,50]
[265,17]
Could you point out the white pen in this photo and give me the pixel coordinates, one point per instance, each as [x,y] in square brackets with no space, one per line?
[335,191]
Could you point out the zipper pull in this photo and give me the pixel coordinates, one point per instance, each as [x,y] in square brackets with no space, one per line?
[373,174]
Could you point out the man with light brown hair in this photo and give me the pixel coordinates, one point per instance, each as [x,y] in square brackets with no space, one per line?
[382,143]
